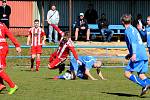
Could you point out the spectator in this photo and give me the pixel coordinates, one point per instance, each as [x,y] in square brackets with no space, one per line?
[82,26]
[53,18]
[37,38]
[103,27]
[91,15]
[5,12]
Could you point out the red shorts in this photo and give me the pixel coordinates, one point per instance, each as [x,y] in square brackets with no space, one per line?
[3,54]
[36,49]
[54,60]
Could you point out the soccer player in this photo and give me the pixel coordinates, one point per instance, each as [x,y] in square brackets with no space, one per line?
[37,38]
[83,71]
[146,33]
[60,55]
[3,53]
[65,46]
[138,60]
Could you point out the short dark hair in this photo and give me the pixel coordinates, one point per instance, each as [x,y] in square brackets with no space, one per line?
[126,18]
[4,1]
[36,20]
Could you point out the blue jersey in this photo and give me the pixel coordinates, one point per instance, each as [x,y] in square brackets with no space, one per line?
[87,62]
[135,44]
[148,35]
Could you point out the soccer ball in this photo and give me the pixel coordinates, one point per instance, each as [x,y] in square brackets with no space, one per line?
[67,76]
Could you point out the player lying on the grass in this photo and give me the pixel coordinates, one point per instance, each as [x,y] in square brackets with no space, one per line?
[4,32]
[138,60]
[60,55]
[37,38]
[83,71]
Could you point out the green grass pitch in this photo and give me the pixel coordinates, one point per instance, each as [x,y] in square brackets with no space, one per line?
[40,86]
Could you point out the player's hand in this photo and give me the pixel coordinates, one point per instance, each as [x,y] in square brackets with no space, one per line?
[94,79]
[128,56]
[104,79]
[18,49]
[133,58]
[79,62]
[43,43]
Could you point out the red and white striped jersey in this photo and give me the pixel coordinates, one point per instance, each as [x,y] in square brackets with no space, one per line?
[36,36]
[4,31]
[65,47]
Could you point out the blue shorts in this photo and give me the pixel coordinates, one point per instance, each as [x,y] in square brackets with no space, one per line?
[138,66]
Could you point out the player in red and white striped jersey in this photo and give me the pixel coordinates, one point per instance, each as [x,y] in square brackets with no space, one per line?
[65,46]
[36,38]
[4,31]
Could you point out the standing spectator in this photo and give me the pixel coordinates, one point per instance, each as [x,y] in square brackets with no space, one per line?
[91,14]
[138,60]
[53,18]
[103,27]
[4,31]
[5,12]
[82,26]
[37,38]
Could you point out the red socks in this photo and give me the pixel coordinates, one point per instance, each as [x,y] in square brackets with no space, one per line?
[38,64]
[6,78]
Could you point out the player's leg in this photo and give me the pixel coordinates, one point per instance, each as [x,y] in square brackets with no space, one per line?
[143,71]
[38,61]
[131,67]
[4,75]
[33,55]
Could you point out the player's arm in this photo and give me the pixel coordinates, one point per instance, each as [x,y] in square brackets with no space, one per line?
[75,54]
[87,72]
[57,29]
[13,39]
[100,74]
[133,43]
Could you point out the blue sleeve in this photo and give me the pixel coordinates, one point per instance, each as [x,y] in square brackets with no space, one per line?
[143,33]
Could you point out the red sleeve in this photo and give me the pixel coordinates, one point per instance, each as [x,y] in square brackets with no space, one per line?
[57,29]
[71,47]
[11,37]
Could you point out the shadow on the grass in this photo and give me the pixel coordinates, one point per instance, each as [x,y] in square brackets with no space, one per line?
[126,95]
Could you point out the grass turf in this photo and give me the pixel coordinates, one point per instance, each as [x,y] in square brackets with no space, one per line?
[40,86]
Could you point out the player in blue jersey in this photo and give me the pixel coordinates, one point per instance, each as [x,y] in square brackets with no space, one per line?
[138,60]
[83,71]
[146,33]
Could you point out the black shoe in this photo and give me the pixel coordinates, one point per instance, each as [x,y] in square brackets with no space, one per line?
[144,90]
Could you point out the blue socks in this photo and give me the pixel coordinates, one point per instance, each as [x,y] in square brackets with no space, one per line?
[137,80]
[147,81]
[61,77]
